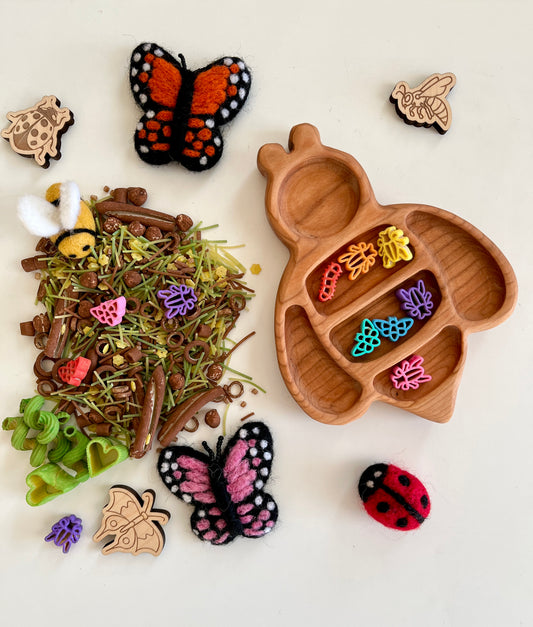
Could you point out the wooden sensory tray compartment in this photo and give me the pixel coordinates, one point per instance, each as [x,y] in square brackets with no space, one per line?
[319,201]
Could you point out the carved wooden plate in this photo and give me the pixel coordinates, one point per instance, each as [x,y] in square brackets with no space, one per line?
[319,201]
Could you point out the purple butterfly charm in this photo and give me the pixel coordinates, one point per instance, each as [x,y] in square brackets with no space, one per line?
[225,487]
[417,301]
[177,300]
[65,532]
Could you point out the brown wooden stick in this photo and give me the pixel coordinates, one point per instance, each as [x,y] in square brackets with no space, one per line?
[181,415]
[153,401]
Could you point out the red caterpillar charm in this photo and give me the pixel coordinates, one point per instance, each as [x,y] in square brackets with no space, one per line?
[394,497]
[329,282]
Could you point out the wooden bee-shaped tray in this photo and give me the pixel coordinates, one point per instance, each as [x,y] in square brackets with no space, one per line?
[319,202]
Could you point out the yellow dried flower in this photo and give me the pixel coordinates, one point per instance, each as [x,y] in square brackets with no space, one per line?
[221,272]
[118,360]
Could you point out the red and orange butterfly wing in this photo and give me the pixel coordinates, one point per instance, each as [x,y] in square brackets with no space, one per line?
[219,93]
[183,109]
[156,80]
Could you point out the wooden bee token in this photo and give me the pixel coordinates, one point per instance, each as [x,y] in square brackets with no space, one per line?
[36,132]
[426,104]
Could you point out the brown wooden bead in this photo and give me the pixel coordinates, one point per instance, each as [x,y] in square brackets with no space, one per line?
[183,222]
[153,233]
[137,196]
[136,228]
[26,328]
[212,418]
[34,263]
[204,330]
[133,355]
[89,279]
[132,278]
[176,381]
[112,224]
[84,308]
[214,372]
[41,323]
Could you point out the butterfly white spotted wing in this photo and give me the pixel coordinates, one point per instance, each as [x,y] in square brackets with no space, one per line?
[183,108]
[226,488]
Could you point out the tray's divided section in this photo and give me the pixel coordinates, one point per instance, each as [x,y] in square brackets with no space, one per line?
[441,355]
[342,336]
[322,383]
[347,291]
[473,276]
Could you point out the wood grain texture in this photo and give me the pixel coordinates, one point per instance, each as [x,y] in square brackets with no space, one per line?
[319,201]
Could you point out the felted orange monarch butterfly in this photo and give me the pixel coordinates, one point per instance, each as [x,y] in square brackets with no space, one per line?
[184,108]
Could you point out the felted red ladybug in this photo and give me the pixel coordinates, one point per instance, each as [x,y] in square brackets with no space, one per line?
[394,497]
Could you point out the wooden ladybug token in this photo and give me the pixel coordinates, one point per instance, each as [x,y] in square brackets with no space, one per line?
[394,497]
[36,132]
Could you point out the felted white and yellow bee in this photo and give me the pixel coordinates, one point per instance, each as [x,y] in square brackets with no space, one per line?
[61,216]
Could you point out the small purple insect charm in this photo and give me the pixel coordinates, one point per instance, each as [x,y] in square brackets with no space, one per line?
[417,301]
[65,532]
[177,300]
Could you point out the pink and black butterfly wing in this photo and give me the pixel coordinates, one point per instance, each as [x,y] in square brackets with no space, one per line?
[185,472]
[247,463]
[226,489]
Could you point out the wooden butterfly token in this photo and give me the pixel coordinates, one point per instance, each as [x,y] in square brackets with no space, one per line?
[130,518]
[225,487]
[36,132]
[184,108]
[426,104]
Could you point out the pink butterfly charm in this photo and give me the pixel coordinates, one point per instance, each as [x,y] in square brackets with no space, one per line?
[225,487]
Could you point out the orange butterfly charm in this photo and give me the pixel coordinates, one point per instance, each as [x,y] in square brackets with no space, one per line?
[184,108]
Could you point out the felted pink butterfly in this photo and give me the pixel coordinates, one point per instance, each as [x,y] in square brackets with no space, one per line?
[225,487]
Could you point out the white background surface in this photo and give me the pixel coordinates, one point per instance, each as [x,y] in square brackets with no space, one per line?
[332,64]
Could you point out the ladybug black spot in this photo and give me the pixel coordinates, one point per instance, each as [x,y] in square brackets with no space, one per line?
[404,480]
[72,256]
[424,501]
[86,247]
[401,522]
[383,507]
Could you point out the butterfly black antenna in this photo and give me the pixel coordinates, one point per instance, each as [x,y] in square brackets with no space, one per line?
[219,445]
[209,450]
[183,63]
